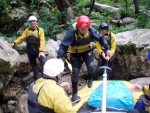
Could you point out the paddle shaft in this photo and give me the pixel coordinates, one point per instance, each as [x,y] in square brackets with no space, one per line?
[104,91]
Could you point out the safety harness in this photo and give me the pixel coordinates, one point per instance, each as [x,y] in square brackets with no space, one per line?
[33,38]
[80,43]
[108,40]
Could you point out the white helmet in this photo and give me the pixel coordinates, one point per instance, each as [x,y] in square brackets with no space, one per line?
[53,67]
[32,18]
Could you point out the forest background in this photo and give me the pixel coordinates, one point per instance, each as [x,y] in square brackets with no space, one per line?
[54,17]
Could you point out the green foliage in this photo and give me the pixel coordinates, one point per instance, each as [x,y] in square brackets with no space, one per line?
[49,16]
[143,20]
[5,8]
[45,13]
[144,15]
[145,3]
[110,2]
[49,22]
[7,38]
[82,4]
[33,5]
[81,7]
[122,28]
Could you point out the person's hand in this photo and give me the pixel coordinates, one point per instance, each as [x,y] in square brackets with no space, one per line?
[41,54]
[107,58]
[109,53]
[103,55]
[65,85]
[135,88]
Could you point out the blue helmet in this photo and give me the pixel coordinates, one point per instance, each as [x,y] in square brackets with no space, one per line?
[103,26]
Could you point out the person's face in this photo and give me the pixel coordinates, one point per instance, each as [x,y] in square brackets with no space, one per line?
[104,31]
[83,29]
[33,24]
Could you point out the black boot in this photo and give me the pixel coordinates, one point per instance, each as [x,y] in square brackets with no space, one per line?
[75,98]
[42,62]
[90,83]
[36,73]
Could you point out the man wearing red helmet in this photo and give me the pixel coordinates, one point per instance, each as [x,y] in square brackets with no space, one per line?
[77,42]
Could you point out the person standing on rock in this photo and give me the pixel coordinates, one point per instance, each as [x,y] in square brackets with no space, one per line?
[100,51]
[35,44]
[78,43]
[45,95]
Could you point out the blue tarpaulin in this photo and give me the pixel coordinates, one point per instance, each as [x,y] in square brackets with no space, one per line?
[118,96]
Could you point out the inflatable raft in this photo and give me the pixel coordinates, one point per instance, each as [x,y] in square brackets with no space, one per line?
[86,92]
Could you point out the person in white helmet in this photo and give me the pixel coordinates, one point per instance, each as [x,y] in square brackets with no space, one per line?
[35,43]
[45,95]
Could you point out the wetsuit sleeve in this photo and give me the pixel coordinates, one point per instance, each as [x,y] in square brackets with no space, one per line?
[99,37]
[42,39]
[113,43]
[22,37]
[68,39]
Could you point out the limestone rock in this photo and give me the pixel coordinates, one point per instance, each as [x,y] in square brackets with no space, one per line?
[9,59]
[52,48]
[132,48]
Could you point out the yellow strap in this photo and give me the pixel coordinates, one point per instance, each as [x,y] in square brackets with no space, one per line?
[69,65]
[72,50]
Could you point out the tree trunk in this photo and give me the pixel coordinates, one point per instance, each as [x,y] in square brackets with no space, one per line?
[91,7]
[65,10]
[136,5]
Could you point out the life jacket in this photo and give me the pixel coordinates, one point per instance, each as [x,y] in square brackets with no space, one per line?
[33,105]
[108,39]
[80,43]
[33,40]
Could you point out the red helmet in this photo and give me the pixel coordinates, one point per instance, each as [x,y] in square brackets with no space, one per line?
[83,20]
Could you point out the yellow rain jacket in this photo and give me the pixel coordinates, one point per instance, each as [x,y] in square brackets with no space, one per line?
[111,39]
[38,32]
[146,89]
[52,96]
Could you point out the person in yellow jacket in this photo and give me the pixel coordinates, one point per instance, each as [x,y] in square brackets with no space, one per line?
[35,44]
[101,56]
[45,95]
[141,107]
